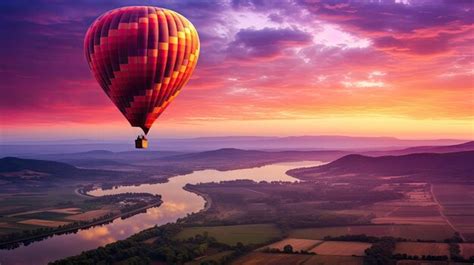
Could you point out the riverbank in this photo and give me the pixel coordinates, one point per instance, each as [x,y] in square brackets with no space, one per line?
[206,197]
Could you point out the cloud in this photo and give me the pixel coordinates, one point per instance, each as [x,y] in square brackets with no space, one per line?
[419,27]
[267,42]
[259,59]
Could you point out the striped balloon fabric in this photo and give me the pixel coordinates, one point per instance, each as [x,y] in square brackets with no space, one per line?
[142,57]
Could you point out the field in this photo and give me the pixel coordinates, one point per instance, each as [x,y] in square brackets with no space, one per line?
[231,235]
[209,258]
[467,250]
[424,262]
[297,244]
[89,215]
[39,222]
[258,258]
[413,232]
[416,207]
[334,260]
[456,202]
[338,248]
[420,249]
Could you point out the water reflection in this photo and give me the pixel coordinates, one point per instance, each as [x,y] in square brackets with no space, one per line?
[177,204]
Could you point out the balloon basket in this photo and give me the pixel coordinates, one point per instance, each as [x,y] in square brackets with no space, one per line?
[141,142]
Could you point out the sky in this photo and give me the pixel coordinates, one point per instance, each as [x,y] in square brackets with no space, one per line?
[286,67]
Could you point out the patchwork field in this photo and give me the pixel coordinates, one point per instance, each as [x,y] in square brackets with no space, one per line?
[231,235]
[339,248]
[416,207]
[420,249]
[297,244]
[413,232]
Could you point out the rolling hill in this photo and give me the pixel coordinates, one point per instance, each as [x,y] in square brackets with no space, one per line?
[231,158]
[14,164]
[447,166]
[11,167]
[467,146]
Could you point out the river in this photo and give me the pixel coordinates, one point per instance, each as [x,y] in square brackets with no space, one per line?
[177,203]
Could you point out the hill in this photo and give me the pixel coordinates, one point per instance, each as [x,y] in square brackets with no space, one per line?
[467,146]
[231,158]
[449,166]
[14,169]
[14,164]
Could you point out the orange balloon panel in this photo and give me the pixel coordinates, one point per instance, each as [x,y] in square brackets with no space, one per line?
[142,57]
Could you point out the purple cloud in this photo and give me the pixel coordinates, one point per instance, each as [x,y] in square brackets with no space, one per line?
[267,42]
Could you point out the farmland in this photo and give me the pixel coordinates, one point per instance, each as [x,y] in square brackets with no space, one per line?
[258,258]
[467,250]
[336,248]
[419,249]
[231,235]
[297,244]
[456,203]
[412,232]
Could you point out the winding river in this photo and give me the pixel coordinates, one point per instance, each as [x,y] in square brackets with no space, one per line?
[177,203]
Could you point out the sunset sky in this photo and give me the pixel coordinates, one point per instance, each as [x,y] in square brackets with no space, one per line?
[371,68]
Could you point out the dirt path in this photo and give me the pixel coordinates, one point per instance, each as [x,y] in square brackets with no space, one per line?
[441,211]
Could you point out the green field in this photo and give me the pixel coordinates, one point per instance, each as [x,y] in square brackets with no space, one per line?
[246,234]
[22,202]
[413,232]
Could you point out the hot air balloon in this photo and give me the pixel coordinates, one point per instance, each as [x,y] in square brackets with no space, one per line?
[142,57]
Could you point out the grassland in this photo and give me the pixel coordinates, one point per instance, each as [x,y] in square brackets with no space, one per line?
[231,235]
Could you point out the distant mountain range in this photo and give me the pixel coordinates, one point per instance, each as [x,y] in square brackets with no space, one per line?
[439,162]
[449,166]
[212,143]
[107,159]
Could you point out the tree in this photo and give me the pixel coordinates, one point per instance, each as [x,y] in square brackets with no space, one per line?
[288,249]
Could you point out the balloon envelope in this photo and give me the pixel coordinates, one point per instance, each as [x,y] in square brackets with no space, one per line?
[142,57]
